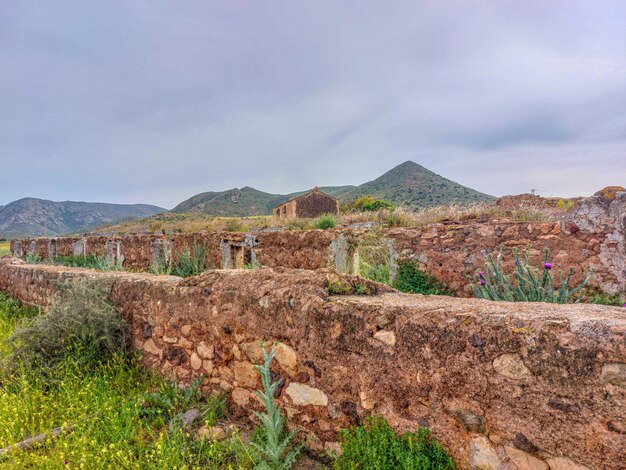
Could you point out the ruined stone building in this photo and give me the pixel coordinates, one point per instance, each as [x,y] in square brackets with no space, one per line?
[311,204]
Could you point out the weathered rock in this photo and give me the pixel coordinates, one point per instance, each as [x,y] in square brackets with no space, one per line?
[333,448]
[246,375]
[195,361]
[286,357]
[470,421]
[303,395]
[205,351]
[367,402]
[253,351]
[240,396]
[563,463]
[387,337]
[151,348]
[484,456]
[525,461]
[614,373]
[511,366]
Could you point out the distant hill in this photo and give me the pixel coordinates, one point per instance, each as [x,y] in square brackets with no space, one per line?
[408,185]
[412,186]
[35,217]
[242,202]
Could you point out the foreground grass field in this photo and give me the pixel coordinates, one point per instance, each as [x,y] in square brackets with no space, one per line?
[115,421]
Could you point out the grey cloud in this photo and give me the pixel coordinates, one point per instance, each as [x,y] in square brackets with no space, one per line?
[153,101]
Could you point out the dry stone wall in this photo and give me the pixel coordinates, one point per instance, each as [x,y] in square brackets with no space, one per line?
[501,385]
[592,237]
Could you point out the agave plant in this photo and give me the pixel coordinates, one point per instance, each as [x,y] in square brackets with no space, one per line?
[191,262]
[529,284]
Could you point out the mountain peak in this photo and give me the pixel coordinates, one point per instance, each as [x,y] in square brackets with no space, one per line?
[408,184]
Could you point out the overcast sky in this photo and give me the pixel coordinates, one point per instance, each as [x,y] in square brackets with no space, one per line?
[153,101]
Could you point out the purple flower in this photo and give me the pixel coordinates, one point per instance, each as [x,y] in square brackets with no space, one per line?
[483,282]
[624,305]
[481,274]
[547,265]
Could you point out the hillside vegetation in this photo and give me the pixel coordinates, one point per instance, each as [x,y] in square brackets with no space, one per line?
[242,202]
[412,186]
[408,185]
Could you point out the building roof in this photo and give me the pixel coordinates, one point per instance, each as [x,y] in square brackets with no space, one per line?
[314,190]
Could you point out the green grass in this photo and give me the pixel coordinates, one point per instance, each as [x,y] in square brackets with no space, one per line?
[325,221]
[410,278]
[110,407]
[601,298]
[375,445]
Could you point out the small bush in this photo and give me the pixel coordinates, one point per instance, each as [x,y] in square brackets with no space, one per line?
[325,221]
[82,323]
[395,218]
[410,278]
[602,298]
[32,258]
[191,262]
[369,204]
[272,443]
[234,225]
[376,446]
[529,284]
[339,287]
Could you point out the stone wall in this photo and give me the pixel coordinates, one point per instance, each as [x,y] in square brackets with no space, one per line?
[501,385]
[592,237]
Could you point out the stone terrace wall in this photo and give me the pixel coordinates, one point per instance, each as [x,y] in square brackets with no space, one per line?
[501,385]
[591,237]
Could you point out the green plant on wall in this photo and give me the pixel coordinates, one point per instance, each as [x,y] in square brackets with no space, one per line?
[597,297]
[374,255]
[191,262]
[410,278]
[376,446]
[528,284]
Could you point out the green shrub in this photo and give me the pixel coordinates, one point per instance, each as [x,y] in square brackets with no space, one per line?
[339,287]
[410,278]
[191,262]
[234,225]
[529,284]
[602,298]
[369,204]
[325,221]
[81,323]
[376,446]
[32,258]
[272,443]
[395,218]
